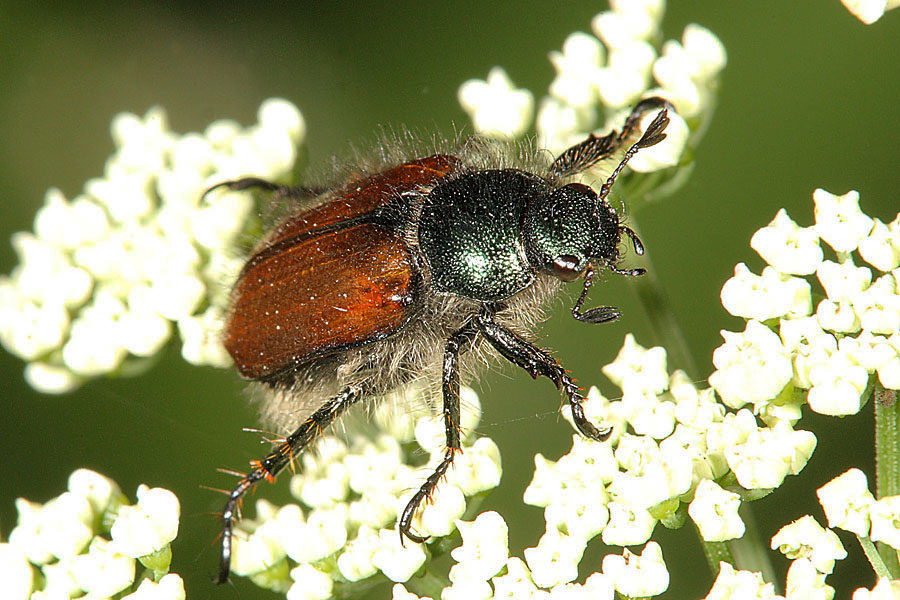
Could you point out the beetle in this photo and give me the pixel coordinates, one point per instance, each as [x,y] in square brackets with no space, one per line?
[417,268]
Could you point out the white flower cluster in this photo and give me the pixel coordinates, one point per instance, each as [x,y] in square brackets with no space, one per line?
[848,505]
[599,78]
[484,569]
[832,349]
[105,276]
[672,443]
[86,541]
[352,493]
[869,11]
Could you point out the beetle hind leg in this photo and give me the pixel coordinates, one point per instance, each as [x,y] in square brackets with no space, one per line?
[451,414]
[249,183]
[269,467]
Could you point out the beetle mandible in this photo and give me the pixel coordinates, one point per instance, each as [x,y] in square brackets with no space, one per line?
[416,268]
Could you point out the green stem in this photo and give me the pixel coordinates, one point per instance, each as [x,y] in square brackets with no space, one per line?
[750,553]
[715,552]
[874,558]
[887,458]
[662,319]
[427,583]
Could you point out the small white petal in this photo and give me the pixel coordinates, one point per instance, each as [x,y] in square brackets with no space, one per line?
[497,108]
[885,589]
[148,526]
[323,534]
[707,50]
[881,248]
[628,525]
[627,75]
[399,592]
[437,517]
[805,538]
[555,559]
[576,66]
[397,562]
[768,455]
[477,468]
[355,562]
[170,587]
[517,582]
[466,588]
[715,511]
[70,224]
[878,306]
[560,125]
[144,334]
[846,500]
[837,385]
[867,11]
[787,247]
[50,379]
[839,220]
[201,335]
[281,114]
[309,584]
[804,581]
[884,514]
[638,576]
[638,369]
[103,572]
[627,22]
[16,574]
[485,547]
[99,491]
[580,512]
[752,367]
[731,583]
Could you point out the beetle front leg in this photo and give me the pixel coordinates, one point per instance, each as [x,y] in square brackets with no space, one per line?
[538,362]
[451,414]
[269,467]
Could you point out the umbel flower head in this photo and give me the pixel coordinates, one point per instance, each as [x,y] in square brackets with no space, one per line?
[106,278]
[831,350]
[599,77]
[89,541]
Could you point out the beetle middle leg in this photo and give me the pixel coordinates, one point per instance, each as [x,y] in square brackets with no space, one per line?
[458,342]
[274,462]
[538,362]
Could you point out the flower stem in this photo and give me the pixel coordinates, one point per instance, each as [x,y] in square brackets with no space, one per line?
[887,459]
[656,304]
[715,552]
[427,583]
[874,558]
[750,552]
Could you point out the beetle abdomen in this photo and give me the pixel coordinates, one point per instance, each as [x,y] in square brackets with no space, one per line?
[327,292]
[330,278]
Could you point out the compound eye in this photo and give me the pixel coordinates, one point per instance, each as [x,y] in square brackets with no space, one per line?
[566,267]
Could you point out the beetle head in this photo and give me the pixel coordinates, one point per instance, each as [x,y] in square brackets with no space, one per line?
[570,233]
[572,230]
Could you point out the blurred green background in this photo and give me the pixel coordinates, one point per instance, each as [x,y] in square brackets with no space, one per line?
[808,100]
